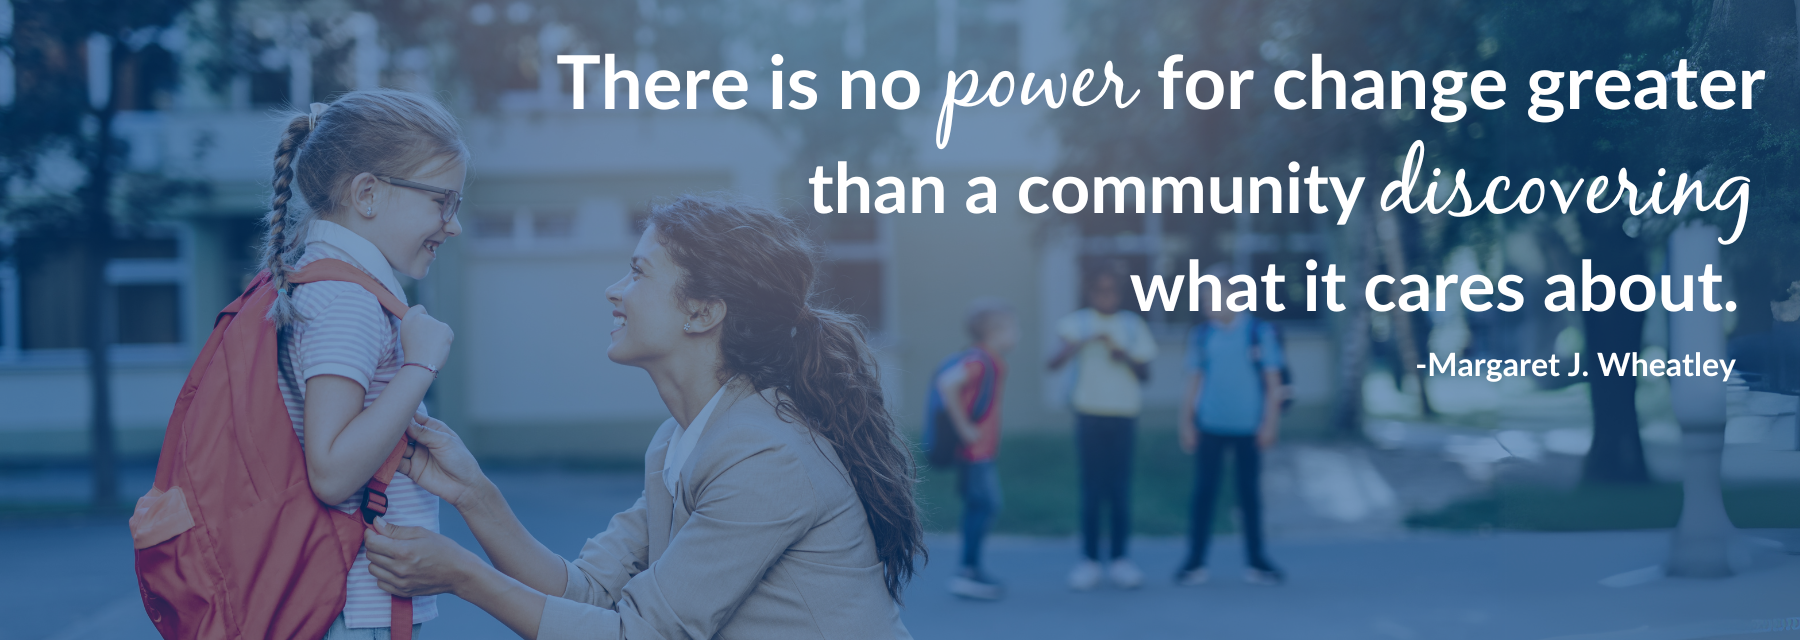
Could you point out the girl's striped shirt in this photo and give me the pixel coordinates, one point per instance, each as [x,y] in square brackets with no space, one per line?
[344,332]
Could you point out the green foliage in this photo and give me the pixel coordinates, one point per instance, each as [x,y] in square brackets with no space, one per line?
[47,46]
[52,117]
[1040,485]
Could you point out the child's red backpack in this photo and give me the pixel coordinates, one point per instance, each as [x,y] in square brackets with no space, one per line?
[231,542]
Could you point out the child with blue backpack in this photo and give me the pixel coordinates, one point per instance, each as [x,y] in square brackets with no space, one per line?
[963,431]
[1233,406]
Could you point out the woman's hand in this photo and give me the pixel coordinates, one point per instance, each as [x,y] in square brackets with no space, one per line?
[412,561]
[424,339]
[441,463]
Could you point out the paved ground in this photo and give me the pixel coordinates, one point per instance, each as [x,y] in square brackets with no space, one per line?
[72,579]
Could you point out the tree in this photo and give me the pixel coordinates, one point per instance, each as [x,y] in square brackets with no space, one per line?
[1762,144]
[1758,143]
[1733,35]
[63,52]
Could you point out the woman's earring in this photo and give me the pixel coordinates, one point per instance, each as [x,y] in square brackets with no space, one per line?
[369,212]
[689,327]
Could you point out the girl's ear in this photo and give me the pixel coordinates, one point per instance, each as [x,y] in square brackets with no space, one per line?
[362,194]
[703,316]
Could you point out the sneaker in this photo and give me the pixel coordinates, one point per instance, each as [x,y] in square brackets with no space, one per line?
[1085,576]
[975,585]
[1191,577]
[1125,574]
[1266,577]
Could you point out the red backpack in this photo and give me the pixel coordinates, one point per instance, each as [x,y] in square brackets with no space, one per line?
[231,542]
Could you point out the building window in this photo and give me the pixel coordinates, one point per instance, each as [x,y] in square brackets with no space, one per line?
[269,88]
[49,309]
[854,287]
[41,306]
[147,314]
[552,224]
[492,225]
[854,276]
[146,79]
[523,227]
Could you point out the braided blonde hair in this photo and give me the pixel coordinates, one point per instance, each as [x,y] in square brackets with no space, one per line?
[383,131]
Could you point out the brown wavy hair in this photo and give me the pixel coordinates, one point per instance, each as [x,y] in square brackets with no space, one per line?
[763,266]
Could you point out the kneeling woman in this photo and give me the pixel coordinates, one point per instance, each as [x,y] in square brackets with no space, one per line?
[778,501]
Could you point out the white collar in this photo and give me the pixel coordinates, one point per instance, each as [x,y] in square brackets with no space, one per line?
[682,443]
[362,252]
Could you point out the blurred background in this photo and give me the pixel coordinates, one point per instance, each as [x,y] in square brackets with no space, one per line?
[136,141]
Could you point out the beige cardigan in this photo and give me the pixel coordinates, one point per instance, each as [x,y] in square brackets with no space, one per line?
[775,544]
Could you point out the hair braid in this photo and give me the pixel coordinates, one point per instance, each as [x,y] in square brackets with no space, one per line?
[276,243]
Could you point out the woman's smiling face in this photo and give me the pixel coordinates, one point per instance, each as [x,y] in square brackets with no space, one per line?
[647,311]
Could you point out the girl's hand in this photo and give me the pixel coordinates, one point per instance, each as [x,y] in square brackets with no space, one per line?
[412,561]
[424,339]
[441,463]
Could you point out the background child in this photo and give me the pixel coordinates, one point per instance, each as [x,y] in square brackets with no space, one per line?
[380,175]
[1233,406]
[976,372]
[1112,351]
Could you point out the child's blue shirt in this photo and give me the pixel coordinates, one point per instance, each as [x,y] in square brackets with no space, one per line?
[1231,394]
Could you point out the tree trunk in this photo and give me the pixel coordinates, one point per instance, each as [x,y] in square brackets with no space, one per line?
[97,226]
[1353,334]
[1617,453]
[1388,230]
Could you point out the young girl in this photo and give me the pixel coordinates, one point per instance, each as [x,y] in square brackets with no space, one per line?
[379,175]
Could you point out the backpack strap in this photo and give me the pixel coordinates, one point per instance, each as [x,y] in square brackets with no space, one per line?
[1256,326]
[375,503]
[984,394]
[375,499]
[1202,334]
[329,269]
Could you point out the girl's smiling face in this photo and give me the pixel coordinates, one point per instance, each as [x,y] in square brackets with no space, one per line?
[647,312]
[409,225]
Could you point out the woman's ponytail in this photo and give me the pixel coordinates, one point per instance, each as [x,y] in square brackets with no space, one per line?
[762,266]
[837,383]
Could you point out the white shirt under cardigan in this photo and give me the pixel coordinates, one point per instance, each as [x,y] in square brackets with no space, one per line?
[345,333]
[681,444]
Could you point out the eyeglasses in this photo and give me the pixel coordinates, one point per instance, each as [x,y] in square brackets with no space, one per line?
[452,198]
